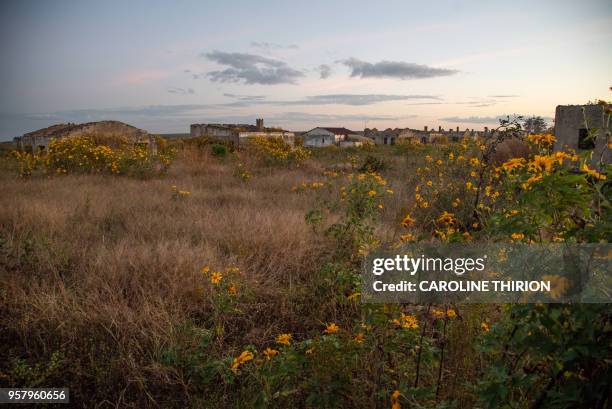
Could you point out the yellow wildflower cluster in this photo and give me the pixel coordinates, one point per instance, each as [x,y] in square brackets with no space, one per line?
[245,356]
[315,185]
[284,339]
[406,321]
[450,313]
[85,154]
[220,279]
[277,151]
[545,139]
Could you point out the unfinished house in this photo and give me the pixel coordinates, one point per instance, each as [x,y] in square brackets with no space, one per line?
[38,141]
[321,137]
[584,128]
[237,134]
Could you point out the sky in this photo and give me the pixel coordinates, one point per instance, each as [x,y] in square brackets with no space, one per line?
[162,65]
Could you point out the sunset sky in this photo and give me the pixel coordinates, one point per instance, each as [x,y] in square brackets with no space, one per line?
[162,65]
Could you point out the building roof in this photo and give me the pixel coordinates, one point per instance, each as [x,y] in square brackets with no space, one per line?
[335,131]
[59,130]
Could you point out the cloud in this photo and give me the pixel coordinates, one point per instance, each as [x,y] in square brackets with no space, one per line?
[251,69]
[182,91]
[326,99]
[486,119]
[325,71]
[394,69]
[504,96]
[330,118]
[245,97]
[266,46]
[474,119]
[356,99]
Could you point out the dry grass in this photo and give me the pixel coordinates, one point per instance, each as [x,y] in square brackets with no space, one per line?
[109,266]
[106,269]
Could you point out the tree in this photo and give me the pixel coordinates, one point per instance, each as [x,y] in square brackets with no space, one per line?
[535,124]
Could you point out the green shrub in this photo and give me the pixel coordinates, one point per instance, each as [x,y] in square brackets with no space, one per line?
[218,149]
[373,164]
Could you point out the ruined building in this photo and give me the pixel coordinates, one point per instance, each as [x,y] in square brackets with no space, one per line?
[38,141]
[584,128]
[239,133]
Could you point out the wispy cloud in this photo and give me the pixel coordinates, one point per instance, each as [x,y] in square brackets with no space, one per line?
[484,120]
[504,96]
[325,71]
[394,69]
[333,118]
[266,46]
[356,99]
[182,91]
[248,98]
[325,99]
[251,69]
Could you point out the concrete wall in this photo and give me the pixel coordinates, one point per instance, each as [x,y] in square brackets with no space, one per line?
[570,119]
[318,138]
[287,137]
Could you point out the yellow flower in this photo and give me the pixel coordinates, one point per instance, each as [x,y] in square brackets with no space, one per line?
[593,173]
[429,183]
[372,193]
[270,353]
[451,313]
[484,326]
[245,356]
[284,339]
[205,269]
[468,185]
[474,161]
[232,289]
[380,206]
[517,236]
[541,139]
[394,400]
[541,164]
[408,221]
[331,328]
[309,351]
[353,296]
[446,218]
[216,277]
[438,313]
[359,338]
[409,321]
[407,237]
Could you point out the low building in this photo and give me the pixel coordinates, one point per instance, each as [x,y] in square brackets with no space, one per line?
[584,128]
[239,133]
[326,136]
[38,141]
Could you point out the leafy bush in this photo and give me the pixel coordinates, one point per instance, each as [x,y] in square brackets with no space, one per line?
[275,151]
[82,154]
[218,149]
[373,164]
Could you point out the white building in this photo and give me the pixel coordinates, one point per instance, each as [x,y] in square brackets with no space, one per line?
[321,137]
